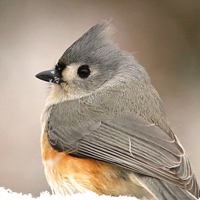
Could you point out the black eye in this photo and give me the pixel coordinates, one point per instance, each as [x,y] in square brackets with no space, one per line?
[83,71]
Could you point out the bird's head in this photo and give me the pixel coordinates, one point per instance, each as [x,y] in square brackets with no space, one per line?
[86,65]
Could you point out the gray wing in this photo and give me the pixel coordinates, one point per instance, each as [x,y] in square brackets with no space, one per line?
[127,141]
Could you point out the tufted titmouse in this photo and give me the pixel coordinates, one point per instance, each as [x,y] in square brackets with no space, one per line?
[104,128]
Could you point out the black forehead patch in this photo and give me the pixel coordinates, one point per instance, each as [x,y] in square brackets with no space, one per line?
[60,66]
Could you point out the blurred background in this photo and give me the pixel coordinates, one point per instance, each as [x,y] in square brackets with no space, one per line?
[164,36]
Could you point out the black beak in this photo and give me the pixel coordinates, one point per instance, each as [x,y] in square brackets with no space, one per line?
[52,76]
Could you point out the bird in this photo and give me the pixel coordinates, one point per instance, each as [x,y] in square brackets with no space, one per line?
[104,127]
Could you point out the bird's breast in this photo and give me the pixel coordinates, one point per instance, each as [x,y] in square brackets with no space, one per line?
[67,174]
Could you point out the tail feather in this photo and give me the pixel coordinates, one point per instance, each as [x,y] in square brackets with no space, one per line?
[166,191]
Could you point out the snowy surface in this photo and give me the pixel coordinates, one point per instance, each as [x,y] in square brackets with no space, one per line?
[8,194]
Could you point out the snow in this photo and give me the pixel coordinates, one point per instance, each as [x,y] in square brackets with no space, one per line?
[8,194]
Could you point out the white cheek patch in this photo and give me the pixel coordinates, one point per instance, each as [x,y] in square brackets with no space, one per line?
[70,72]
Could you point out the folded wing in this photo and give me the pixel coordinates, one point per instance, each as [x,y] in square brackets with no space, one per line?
[127,141]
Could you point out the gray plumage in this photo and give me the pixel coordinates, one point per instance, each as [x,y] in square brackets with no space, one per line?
[116,116]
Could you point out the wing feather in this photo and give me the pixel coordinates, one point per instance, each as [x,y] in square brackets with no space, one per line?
[127,141]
